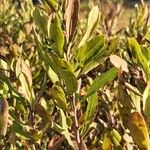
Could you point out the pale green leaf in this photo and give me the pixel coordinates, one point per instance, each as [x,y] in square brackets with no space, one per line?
[91,24]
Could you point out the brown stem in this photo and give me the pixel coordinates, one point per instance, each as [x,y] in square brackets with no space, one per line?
[76,126]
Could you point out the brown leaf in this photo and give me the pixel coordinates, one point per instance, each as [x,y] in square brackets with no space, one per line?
[118,62]
[72,11]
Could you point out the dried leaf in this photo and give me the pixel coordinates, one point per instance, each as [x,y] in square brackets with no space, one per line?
[72,11]
[118,62]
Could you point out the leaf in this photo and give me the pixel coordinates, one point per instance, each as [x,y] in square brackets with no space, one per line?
[112,140]
[132,88]
[57,36]
[22,67]
[65,72]
[42,112]
[61,67]
[59,95]
[21,130]
[53,4]
[91,107]
[116,138]
[72,11]
[51,74]
[107,144]
[91,24]
[87,127]
[101,81]
[119,63]
[4,114]
[146,101]
[125,103]
[25,88]
[139,130]
[63,128]
[41,20]
[7,81]
[87,51]
[137,54]
[101,55]
[70,80]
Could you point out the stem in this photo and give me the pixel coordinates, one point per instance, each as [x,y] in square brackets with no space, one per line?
[76,127]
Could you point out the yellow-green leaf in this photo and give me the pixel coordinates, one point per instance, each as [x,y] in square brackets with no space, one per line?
[91,24]
[59,95]
[138,130]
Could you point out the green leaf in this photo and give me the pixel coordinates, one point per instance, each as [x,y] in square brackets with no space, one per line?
[116,138]
[93,19]
[87,127]
[107,143]
[63,128]
[41,20]
[51,74]
[112,140]
[61,67]
[139,130]
[87,51]
[53,4]
[7,81]
[59,95]
[125,103]
[21,130]
[57,36]
[70,80]
[101,81]
[118,62]
[91,107]
[137,54]
[100,56]
[146,101]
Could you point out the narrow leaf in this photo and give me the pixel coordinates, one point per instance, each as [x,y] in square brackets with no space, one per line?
[101,81]
[146,101]
[90,49]
[91,24]
[72,11]
[91,107]
[137,54]
[57,36]
[41,20]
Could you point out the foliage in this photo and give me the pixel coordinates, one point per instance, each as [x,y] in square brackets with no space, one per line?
[70,85]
